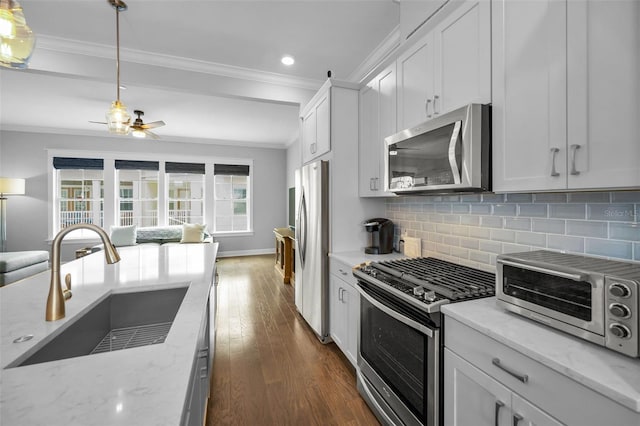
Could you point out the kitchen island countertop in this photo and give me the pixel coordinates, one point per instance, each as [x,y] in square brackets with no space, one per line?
[144,385]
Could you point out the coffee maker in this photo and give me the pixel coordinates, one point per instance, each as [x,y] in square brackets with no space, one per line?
[380,236]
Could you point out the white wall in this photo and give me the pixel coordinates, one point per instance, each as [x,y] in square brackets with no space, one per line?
[24,154]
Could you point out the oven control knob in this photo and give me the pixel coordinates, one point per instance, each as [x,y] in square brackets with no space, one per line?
[418,291]
[620,310]
[620,331]
[430,296]
[619,290]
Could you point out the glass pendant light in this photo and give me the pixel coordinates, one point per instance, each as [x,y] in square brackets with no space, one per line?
[16,38]
[118,119]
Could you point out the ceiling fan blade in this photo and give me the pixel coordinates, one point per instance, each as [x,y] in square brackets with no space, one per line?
[153,135]
[153,124]
[97,122]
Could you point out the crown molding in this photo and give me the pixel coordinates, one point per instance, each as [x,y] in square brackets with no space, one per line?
[58,44]
[380,54]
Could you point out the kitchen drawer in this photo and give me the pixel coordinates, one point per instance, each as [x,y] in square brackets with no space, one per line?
[342,270]
[558,395]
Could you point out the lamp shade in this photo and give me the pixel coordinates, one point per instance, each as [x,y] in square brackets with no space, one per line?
[11,186]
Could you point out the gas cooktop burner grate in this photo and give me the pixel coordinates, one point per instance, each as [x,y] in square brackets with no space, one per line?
[449,280]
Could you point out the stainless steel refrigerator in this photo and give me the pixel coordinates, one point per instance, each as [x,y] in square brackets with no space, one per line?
[312,245]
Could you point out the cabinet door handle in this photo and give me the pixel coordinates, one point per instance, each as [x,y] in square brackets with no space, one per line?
[435,110]
[522,377]
[516,419]
[554,152]
[343,272]
[371,184]
[340,294]
[313,148]
[574,148]
[499,405]
[426,107]
[375,186]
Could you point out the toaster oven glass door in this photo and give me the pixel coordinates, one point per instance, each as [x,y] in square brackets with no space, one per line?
[563,295]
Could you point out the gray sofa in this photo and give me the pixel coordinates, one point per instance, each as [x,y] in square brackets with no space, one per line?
[16,265]
[157,235]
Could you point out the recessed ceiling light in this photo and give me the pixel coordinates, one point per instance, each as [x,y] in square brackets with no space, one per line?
[288,60]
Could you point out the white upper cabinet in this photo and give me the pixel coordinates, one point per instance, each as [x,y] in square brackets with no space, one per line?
[316,137]
[565,95]
[529,95]
[603,94]
[448,68]
[463,57]
[415,84]
[377,121]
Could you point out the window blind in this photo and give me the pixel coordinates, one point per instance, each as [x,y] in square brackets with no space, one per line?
[78,163]
[137,165]
[195,168]
[231,169]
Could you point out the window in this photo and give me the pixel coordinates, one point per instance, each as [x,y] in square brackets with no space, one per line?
[186,193]
[231,198]
[80,191]
[138,192]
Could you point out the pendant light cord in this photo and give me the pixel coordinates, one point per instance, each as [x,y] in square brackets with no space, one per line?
[118,52]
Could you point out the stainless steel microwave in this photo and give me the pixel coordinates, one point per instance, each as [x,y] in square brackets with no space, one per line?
[592,298]
[449,153]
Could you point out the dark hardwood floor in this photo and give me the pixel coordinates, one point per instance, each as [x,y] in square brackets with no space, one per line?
[269,367]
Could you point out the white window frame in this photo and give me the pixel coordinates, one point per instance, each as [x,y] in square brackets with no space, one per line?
[111,188]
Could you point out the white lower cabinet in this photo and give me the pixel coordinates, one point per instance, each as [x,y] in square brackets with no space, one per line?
[473,398]
[488,383]
[196,404]
[344,310]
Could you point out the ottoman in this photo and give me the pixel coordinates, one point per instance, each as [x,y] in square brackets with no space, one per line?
[16,265]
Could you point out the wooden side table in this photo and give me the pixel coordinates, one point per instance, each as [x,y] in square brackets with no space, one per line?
[284,253]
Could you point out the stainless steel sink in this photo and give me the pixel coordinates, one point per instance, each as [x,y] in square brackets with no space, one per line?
[120,321]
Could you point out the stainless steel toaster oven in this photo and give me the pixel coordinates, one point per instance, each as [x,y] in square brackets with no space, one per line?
[591,298]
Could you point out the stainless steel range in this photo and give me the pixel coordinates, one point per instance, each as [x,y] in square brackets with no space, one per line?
[400,342]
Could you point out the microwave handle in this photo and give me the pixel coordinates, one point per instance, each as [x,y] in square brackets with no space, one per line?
[568,275]
[452,152]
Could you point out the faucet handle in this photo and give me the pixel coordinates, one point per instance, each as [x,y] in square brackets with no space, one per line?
[67,292]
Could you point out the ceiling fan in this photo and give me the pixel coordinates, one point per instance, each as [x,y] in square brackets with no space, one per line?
[118,119]
[141,130]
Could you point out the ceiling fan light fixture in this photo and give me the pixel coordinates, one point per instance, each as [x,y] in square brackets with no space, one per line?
[17,41]
[137,133]
[118,119]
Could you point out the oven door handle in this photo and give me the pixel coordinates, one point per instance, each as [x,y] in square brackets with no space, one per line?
[568,275]
[411,323]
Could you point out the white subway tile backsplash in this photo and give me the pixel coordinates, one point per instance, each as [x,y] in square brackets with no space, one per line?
[567,211]
[531,238]
[625,231]
[609,248]
[549,226]
[564,243]
[502,235]
[611,212]
[504,209]
[473,229]
[491,222]
[519,224]
[532,210]
[585,228]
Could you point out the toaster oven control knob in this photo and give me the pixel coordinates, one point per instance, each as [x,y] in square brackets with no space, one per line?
[619,310]
[620,331]
[619,290]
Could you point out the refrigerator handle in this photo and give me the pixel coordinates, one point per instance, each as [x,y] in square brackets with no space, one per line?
[301,229]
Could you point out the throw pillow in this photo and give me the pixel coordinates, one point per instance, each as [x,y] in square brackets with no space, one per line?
[123,235]
[193,233]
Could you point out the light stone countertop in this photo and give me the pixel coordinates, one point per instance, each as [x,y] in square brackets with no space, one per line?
[612,374]
[139,386]
[354,258]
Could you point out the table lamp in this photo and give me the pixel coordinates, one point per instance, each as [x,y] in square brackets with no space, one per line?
[8,186]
